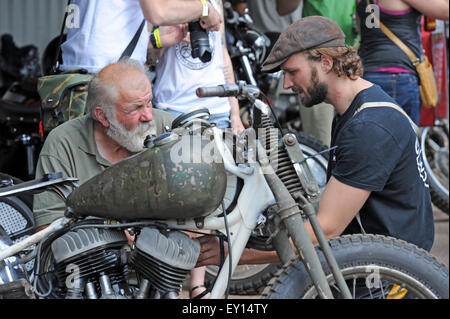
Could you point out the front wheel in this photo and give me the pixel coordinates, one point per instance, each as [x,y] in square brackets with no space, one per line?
[374,267]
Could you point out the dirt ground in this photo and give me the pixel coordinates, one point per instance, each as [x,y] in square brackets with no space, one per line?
[440,247]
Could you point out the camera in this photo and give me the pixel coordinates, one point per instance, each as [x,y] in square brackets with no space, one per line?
[199,42]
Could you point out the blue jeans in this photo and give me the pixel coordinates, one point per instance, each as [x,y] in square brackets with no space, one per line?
[402,87]
[222,120]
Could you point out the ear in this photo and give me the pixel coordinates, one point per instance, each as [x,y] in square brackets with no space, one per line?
[101,116]
[326,63]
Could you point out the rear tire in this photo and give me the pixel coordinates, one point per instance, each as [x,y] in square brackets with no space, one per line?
[435,145]
[364,261]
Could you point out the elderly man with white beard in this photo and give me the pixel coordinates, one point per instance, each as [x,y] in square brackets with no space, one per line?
[119,117]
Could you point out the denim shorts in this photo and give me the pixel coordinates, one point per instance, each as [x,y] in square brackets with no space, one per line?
[402,87]
[222,120]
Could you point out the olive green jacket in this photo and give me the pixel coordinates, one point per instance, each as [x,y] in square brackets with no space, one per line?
[71,149]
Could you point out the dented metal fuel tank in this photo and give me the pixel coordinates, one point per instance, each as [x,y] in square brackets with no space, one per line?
[178,177]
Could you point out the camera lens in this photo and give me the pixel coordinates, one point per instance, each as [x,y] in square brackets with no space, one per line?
[199,41]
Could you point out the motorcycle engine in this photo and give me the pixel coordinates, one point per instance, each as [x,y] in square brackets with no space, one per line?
[163,260]
[91,263]
[95,263]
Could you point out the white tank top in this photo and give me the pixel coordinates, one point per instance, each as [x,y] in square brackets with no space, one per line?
[178,75]
[105,30]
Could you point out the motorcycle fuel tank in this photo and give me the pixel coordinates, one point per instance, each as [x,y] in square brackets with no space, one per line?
[169,180]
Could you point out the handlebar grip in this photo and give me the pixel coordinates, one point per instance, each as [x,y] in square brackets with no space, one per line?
[219,91]
[210,91]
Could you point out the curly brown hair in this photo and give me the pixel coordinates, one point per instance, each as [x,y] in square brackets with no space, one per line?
[345,60]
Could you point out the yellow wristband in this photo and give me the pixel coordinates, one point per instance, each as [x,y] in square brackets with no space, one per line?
[157,38]
[205,9]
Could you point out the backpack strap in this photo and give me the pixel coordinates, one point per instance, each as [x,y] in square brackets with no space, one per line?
[396,107]
[391,105]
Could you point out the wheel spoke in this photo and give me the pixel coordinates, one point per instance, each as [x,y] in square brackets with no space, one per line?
[354,287]
[435,147]
[382,291]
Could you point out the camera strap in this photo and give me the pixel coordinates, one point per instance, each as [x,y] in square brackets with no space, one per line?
[132,45]
[55,65]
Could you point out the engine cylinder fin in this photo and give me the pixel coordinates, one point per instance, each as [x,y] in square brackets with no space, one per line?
[87,253]
[97,262]
[163,277]
[90,265]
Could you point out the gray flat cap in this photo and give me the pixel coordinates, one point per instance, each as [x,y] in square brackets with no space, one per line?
[307,33]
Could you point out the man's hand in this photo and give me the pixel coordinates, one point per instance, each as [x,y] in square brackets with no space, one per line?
[209,251]
[212,21]
[172,35]
[130,238]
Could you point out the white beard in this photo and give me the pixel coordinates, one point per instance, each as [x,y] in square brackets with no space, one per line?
[131,140]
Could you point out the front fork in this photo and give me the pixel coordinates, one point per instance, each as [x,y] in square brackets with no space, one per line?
[291,224]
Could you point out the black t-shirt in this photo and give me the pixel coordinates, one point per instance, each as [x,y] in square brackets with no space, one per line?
[378,150]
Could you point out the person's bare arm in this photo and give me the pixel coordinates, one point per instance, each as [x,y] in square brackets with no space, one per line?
[169,35]
[287,6]
[340,203]
[432,8]
[171,12]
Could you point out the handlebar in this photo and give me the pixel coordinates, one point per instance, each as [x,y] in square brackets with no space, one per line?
[225,90]
[241,91]
[220,91]
[230,15]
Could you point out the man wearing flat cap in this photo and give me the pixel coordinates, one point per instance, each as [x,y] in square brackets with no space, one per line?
[376,180]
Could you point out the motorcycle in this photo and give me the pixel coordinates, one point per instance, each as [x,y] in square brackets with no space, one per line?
[248,48]
[175,186]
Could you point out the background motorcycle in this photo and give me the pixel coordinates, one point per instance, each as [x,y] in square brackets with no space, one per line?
[248,49]
[20,141]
